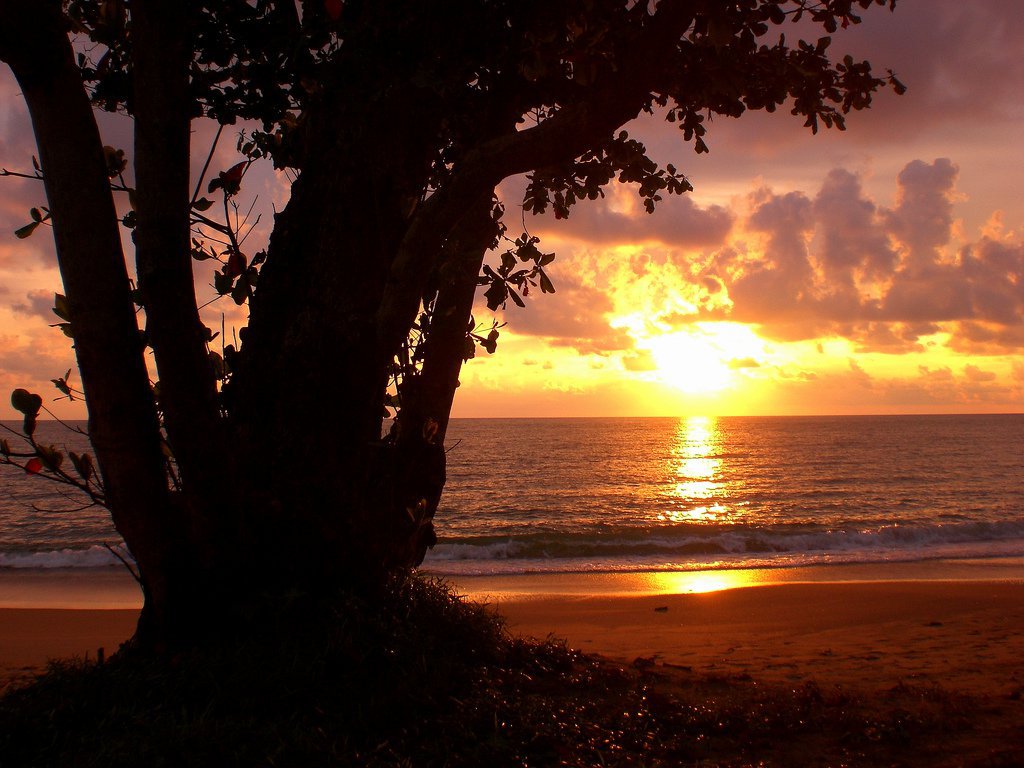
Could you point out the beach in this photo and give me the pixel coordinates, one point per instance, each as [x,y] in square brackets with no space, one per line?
[961,635]
[796,666]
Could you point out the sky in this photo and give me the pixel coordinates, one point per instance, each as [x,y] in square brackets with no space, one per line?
[876,270]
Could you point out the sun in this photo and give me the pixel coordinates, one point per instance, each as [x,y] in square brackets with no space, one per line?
[705,358]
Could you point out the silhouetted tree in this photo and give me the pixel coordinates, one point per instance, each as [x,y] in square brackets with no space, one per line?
[266,470]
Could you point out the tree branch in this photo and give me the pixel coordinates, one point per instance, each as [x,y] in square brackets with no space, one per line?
[161,57]
[574,129]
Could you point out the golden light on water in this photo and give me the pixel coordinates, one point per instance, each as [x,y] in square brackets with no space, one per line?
[697,492]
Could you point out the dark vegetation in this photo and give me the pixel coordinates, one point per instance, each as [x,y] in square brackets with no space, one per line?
[431,680]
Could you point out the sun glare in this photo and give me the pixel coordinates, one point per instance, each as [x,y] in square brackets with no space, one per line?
[706,358]
[699,582]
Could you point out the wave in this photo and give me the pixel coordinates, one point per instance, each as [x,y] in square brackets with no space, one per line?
[724,546]
[90,557]
[666,546]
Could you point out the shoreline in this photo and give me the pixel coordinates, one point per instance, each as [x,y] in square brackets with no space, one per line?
[526,586]
[112,587]
[846,627]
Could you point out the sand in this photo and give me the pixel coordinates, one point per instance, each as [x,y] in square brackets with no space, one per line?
[962,636]
[965,636]
[30,637]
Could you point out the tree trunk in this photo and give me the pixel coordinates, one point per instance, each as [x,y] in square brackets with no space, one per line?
[307,391]
[161,55]
[416,469]
[307,397]
[123,424]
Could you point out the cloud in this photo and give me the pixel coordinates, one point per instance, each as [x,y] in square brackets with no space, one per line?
[851,244]
[32,362]
[678,221]
[928,389]
[576,316]
[639,361]
[37,304]
[976,374]
[840,264]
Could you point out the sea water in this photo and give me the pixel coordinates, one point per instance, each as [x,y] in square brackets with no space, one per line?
[624,495]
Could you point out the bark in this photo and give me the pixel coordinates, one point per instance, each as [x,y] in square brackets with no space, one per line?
[307,394]
[161,56]
[446,346]
[417,465]
[122,417]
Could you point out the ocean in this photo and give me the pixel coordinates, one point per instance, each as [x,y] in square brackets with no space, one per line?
[611,495]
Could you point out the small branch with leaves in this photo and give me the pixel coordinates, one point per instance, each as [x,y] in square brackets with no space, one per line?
[46,461]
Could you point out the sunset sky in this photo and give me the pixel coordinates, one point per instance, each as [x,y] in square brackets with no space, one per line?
[880,270]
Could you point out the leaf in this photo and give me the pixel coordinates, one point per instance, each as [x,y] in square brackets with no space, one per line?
[236,264]
[468,349]
[83,464]
[203,204]
[28,426]
[26,231]
[222,283]
[241,291]
[516,297]
[545,283]
[491,342]
[26,402]
[115,159]
[62,385]
[34,467]
[528,252]
[60,307]
[36,214]
[496,295]
[234,174]
[230,180]
[51,457]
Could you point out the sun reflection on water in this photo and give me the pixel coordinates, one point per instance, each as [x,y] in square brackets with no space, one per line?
[696,582]
[697,493]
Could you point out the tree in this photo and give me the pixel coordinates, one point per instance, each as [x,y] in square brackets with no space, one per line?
[266,471]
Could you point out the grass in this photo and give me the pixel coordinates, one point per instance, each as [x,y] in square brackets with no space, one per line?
[431,680]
